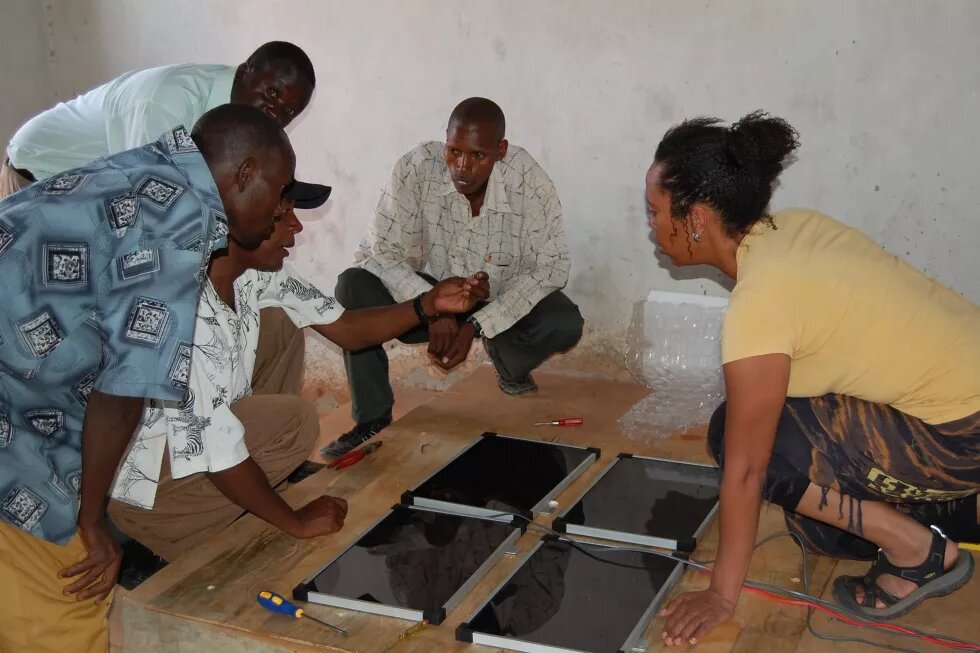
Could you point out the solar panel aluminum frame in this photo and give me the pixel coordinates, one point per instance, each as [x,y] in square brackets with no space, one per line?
[305,591]
[464,633]
[411,499]
[683,545]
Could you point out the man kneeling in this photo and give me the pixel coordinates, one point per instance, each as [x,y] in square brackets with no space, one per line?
[233,438]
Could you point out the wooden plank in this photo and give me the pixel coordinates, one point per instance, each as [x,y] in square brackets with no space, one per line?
[217,584]
[208,596]
[759,624]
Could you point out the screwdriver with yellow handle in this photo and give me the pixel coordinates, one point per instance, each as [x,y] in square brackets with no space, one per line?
[276,603]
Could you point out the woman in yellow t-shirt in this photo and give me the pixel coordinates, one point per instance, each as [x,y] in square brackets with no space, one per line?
[852,381]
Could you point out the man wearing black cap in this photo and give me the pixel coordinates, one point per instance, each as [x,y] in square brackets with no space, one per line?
[242,429]
[102,268]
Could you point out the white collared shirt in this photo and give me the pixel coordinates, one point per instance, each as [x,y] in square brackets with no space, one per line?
[130,111]
[423,224]
[202,433]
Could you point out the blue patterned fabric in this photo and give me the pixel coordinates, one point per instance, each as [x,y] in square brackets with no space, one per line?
[100,275]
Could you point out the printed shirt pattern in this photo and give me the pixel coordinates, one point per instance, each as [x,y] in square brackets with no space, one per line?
[422,224]
[102,268]
[201,432]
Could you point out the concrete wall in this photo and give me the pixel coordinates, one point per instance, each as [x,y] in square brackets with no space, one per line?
[883,92]
[27,76]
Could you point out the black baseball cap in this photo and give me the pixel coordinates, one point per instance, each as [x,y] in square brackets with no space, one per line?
[306,196]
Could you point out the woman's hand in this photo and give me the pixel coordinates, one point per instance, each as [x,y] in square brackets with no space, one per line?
[693,615]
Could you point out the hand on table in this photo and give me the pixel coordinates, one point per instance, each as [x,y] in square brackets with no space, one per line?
[322,516]
[693,615]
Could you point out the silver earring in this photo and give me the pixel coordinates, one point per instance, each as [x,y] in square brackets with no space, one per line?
[696,237]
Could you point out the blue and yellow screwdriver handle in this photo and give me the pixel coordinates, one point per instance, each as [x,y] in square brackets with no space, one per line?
[277,603]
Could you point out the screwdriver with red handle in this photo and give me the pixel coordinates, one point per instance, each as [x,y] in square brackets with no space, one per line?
[568,421]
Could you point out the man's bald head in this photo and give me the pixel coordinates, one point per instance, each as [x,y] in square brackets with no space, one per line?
[251,161]
[479,111]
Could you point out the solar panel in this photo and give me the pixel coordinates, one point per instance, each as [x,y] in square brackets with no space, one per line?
[501,474]
[573,598]
[413,564]
[648,501]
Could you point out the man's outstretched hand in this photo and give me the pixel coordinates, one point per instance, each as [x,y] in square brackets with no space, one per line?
[456,294]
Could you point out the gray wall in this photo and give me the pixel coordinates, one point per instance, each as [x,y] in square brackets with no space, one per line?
[27,77]
[883,92]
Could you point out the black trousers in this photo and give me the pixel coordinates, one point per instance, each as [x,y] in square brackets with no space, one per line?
[868,452]
[553,325]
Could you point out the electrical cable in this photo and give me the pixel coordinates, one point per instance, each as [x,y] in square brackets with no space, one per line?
[776,592]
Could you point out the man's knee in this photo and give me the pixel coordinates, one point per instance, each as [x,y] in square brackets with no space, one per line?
[716,434]
[567,329]
[307,427]
[561,322]
[358,288]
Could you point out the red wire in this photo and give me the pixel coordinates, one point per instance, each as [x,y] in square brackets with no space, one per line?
[876,625]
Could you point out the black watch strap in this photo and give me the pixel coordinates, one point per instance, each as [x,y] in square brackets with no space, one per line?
[476,325]
[420,312]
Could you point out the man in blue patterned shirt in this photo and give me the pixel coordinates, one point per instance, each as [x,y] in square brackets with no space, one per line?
[102,269]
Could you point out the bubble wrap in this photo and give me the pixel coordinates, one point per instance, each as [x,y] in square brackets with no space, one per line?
[673,347]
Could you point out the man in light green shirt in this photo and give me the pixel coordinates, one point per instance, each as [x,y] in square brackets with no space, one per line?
[134,109]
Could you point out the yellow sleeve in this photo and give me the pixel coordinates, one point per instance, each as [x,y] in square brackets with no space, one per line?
[754,325]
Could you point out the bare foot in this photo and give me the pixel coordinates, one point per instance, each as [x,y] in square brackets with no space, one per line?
[899,587]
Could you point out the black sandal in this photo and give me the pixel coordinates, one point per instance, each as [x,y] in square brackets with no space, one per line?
[930,577]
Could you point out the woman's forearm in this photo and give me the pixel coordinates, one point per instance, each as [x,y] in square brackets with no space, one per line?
[741,499]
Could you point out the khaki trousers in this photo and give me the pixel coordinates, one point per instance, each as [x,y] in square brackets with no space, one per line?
[37,617]
[280,431]
[11,181]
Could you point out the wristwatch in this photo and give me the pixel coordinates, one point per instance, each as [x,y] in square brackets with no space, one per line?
[420,312]
[476,325]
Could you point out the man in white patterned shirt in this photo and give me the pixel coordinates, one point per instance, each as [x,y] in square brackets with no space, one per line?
[195,467]
[473,200]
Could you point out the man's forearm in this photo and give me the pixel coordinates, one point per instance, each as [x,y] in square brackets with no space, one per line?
[109,424]
[367,327]
[247,486]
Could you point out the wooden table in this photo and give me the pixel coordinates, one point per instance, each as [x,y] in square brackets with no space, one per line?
[205,602]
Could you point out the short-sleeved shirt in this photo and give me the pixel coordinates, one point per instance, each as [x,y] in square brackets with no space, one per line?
[131,110]
[201,432]
[854,319]
[101,270]
[423,224]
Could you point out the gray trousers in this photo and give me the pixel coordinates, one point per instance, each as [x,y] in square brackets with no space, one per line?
[553,325]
